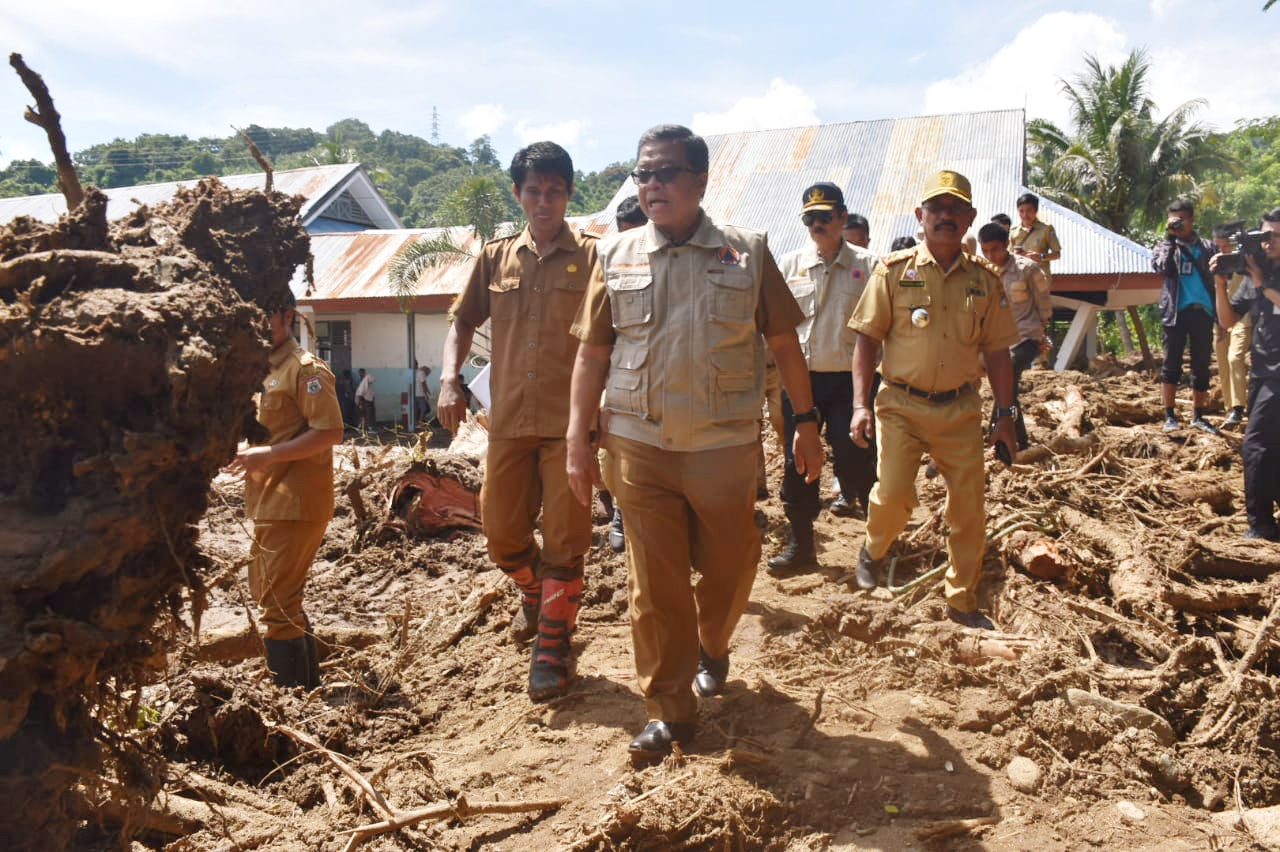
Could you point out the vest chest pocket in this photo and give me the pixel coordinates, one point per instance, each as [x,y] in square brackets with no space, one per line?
[805,293]
[504,297]
[630,299]
[735,393]
[627,388]
[732,296]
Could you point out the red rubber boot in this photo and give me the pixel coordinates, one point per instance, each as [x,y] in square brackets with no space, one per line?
[549,672]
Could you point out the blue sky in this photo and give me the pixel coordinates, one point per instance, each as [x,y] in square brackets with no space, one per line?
[592,76]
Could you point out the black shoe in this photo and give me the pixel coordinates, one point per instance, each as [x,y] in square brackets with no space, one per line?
[842,508]
[1171,423]
[617,532]
[654,742]
[1203,425]
[974,619]
[762,492]
[931,470]
[798,555]
[287,660]
[869,571]
[1234,418]
[711,676]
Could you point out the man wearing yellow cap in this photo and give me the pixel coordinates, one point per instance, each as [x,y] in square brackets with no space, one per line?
[935,309]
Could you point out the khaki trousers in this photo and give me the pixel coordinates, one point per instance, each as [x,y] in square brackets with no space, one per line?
[523,476]
[951,432]
[1231,348]
[684,511]
[282,552]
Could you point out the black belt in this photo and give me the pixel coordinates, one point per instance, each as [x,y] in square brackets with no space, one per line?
[932,396]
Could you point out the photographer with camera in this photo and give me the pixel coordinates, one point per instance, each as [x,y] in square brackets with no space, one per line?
[1186,311]
[1231,346]
[1259,298]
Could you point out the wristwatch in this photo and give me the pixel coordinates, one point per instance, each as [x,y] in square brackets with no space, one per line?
[810,416]
[1005,412]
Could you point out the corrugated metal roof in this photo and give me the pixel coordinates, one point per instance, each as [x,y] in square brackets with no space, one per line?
[353,265]
[757,179]
[320,185]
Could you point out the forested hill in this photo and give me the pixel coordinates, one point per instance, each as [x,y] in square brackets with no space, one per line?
[426,184]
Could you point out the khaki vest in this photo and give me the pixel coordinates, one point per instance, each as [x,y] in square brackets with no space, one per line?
[687,370]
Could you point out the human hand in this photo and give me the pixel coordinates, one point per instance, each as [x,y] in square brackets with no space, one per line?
[862,428]
[250,461]
[451,407]
[583,467]
[806,449]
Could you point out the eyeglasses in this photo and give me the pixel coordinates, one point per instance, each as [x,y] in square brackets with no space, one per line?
[823,216]
[955,209]
[663,175]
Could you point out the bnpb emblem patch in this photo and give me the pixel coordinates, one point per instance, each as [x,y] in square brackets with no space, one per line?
[313,385]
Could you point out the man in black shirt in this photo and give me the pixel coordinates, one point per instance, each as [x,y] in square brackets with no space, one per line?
[1259,297]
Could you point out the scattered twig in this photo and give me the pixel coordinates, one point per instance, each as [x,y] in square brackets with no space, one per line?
[460,809]
[372,796]
[813,718]
[261,158]
[44,115]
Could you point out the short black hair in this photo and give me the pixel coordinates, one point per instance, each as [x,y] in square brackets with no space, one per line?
[1226,229]
[629,212]
[1272,215]
[1181,205]
[993,232]
[544,158]
[1003,219]
[695,147]
[857,220]
[900,243]
[1028,198]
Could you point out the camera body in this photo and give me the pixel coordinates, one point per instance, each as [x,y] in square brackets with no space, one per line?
[1248,243]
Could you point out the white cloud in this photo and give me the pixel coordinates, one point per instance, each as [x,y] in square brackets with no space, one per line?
[482,120]
[1028,70]
[783,105]
[1163,8]
[564,133]
[1179,75]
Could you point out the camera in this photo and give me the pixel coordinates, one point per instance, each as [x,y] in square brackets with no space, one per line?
[1246,244]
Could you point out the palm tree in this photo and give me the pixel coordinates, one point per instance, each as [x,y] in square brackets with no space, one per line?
[1121,165]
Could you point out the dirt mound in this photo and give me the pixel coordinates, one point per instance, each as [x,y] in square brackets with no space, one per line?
[131,354]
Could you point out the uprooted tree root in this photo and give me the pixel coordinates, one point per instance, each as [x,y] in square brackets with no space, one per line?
[131,353]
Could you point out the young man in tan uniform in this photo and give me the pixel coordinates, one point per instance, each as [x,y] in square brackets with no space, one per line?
[530,286]
[674,321]
[288,494]
[1033,239]
[1231,347]
[1030,303]
[826,277]
[935,309]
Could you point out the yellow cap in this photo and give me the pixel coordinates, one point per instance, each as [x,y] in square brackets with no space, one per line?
[949,183]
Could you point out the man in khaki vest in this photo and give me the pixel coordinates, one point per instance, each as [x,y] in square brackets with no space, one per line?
[676,321]
[935,309]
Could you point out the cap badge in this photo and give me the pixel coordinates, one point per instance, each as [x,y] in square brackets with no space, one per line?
[816,196]
[946,179]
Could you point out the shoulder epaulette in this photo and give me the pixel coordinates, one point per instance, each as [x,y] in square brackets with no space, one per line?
[588,234]
[897,256]
[984,263]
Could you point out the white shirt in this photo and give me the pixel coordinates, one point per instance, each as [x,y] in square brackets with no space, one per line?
[365,391]
[827,295]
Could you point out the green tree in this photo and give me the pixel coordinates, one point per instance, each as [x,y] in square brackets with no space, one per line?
[1252,189]
[478,203]
[1120,164]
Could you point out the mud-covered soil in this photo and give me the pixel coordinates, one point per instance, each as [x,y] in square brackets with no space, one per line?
[1138,683]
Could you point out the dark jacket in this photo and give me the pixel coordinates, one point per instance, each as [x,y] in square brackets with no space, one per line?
[1164,259]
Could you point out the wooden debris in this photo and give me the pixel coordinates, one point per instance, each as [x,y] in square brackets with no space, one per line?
[461,809]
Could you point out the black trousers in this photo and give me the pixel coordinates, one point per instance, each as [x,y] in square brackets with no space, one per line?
[1194,326]
[855,467]
[1024,355]
[1261,450]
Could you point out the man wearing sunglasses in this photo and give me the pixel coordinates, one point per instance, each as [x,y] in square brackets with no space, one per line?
[826,277]
[1259,297]
[934,309]
[673,329]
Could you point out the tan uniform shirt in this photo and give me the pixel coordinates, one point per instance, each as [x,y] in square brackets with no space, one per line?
[827,295]
[966,316]
[1027,290]
[685,322]
[532,302]
[298,395]
[1040,237]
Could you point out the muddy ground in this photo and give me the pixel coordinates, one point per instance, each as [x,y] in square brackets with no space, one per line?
[852,720]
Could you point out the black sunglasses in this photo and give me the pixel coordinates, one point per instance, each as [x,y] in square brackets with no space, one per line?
[663,175]
[823,216]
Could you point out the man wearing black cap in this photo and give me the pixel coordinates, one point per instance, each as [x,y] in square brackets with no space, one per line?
[935,309]
[826,276]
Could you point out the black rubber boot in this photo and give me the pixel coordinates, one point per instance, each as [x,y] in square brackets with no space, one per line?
[313,654]
[287,659]
[549,671]
[869,571]
[798,555]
